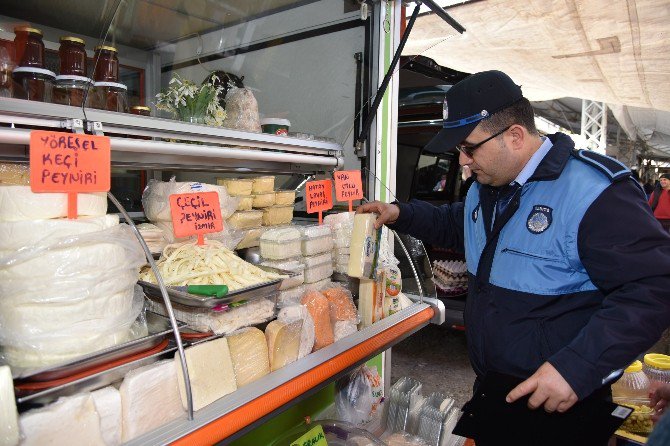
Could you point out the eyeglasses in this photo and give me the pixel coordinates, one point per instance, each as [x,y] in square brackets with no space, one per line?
[469,149]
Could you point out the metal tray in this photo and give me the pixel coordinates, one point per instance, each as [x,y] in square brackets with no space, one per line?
[158,329]
[89,383]
[192,300]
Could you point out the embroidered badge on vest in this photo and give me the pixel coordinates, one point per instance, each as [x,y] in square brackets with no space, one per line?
[475,213]
[539,219]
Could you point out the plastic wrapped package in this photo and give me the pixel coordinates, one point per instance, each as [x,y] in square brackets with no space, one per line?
[149,398]
[319,272]
[108,405]
[18,203]
[245,203]
[263,184]
[341,264]
[229,237]
[156,198]
[319,309]
[251,238]
[318,259]
[342,329]
[342,225]
[291,265]
[246,219]
[205,320]
[283,340]
[242,111]
[341,303]
[277,215]
[249,352]
[210,371]
[316,239]
[237,187]
[14,174]
[70,420]
[153,236]
[9,422]
[353,397]
[280,243]
[364,246]
[290,296]
[299,313]
[263,200]
[318,286]
[285,197]
[403,439]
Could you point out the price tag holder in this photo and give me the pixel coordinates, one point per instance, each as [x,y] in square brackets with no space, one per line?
[319,197]
[196,213]
[348,186]
[313,437]
[69,163]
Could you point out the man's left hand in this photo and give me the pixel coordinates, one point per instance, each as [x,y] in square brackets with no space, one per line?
[548,388]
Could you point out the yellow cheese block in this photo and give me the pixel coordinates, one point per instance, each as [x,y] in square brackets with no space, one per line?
[363,246]
[249,352]
[283,342]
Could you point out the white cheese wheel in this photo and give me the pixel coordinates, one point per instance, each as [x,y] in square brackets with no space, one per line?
[108,405]
[70,420]
[249,352]
[18,203]
[283,342]
[156,198]
[210,370]
[9,424]
[149,398]
[298,312]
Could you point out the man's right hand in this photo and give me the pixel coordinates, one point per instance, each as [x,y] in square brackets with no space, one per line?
[660,398]
[388,213]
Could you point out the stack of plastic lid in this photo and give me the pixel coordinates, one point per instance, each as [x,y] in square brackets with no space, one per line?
[404,395]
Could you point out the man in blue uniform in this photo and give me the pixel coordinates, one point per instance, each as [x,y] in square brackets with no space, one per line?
[569,272]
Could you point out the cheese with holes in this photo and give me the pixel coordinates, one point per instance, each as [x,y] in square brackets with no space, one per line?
[108,405]
[283,342]
[210,370]
[18,203]
[319,309]
[249,352]
[9,427]
[149,399]
[292,313]
[71,421]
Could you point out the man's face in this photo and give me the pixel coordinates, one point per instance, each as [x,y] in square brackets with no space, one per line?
[665,183]
[492,161]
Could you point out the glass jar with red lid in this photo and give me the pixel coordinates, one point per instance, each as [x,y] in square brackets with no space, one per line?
[29,47]
[72,56]
[106,64]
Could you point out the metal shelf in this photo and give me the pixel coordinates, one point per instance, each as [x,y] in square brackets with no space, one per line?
[248,407]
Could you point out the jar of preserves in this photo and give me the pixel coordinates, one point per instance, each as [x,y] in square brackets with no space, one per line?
[6,68]
[71,90]
[657,368]
[141,110]
[632,384]
[111,96]
[72,56]
[29,47]
[106,64]
[34,84]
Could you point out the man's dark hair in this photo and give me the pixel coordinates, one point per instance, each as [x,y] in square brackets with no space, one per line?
[521,112]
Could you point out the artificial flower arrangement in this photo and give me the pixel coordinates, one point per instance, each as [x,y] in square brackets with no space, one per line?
[191,102]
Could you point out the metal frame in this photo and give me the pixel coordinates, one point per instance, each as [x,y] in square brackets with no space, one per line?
[594,125]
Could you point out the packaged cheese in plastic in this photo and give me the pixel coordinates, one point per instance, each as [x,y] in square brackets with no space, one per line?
[342,306]
[19,203]
[342,225]
[285,197]
[249,352]
[280,243]
[283,340]
[319,309]
[318,273]
[108,405]
[242,111]
[263,199]
[245,203]
[293,313]
[15,174]
[250,238]
[316,239]
[263,184]
[370,301]
[156,198]
[229,237]
[364,246]
[277,215]
[290,296]
[246,219]
[291,265]
[237,186]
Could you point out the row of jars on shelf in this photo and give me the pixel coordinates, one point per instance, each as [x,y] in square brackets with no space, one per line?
[30,80]
[640,378]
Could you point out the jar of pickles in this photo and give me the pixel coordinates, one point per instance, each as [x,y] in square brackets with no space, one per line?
[657,368]
[106,64]
[632,384]
[71,90]
[72,56]
[141,110]
[29,47]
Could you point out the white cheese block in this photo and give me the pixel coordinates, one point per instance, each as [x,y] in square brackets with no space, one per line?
[249,352]
[342,329]
[71,421]
[210,370]
[299,312]
[108,405]
[18,234]
[283,342]
[9,425]
[149,398]
[366,299]
[19,203]
[363,246]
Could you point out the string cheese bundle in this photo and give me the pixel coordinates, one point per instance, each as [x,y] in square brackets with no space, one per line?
[208,264]
[364,246]
[319,309]
[249,352]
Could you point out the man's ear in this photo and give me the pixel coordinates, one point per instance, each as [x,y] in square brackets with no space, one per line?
[519,136]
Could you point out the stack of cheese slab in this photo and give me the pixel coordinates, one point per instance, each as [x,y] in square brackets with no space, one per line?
[66,286]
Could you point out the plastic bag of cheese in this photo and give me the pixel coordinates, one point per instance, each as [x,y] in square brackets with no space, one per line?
[283,340]
[156,197]
[319,309]
[19,203]
[229,237]
[353,397]
[292,313]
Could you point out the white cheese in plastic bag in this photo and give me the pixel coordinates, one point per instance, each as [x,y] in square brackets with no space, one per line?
[9,425]
[283,342]
[108,405]
[297,312]
[18,203]
[156,198]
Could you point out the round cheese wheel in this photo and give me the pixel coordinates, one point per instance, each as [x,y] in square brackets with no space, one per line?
[18,203]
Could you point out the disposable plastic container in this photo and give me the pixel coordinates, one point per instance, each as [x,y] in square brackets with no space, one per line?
[237,186]
[275,126]
[246,219]
[291,296]
[316,239]
[33,83]
[246,203]
[318,259]
[284,197]
[71,90]
[264,200]
[291,265]
[263,184]
[633,384]
[277,215]
[316,273]
[280,243]
[657,368]
[639,422]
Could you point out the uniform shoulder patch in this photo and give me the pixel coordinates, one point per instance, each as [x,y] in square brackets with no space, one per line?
[615,170]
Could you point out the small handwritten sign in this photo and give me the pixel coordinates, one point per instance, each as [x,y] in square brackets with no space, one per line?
[69,162]
[348,186]
[318,196]
[196,214]
[313,437]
